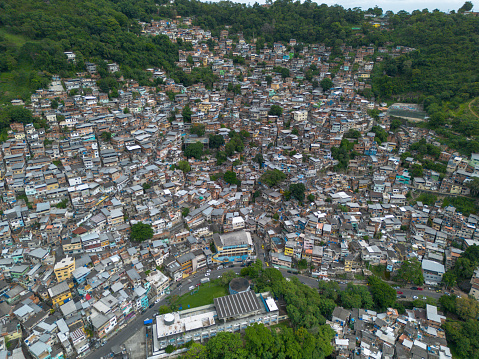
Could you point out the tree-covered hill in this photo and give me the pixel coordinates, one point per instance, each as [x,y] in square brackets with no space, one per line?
[306,22]
[34,34]
[444,67]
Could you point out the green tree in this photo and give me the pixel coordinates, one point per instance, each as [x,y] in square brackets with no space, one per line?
[196,351]
[410,272]
[384,295]
[356,296]
[63,204]
[466,7]
[194,150]
[226,277]
[216,141]
[395,124]
[220,158]
[467,308]
[185,211]
[311,197]
[474,186]
[448,303]
[282,70]
[330,290]
[353,133]
[184,166]
[230,177]
[259,340]
[416,170]
[326,84]
[259,159]
[186,113]
[302,264]
[297,191]
[105,136]
[449,279]
[141,232]
[273,177]
[198,129]
[381,134]
[275,110]
[253,270]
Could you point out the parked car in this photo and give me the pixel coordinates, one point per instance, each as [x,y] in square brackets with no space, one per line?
[413,288]
[399,292]
[207,274]
[414,297]
[403,296]
[419,288]
[191,287]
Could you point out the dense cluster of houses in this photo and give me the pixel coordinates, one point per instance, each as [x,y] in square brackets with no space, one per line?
[368,334]
[71,190]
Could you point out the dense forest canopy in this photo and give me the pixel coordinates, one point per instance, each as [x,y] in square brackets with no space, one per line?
[34,34]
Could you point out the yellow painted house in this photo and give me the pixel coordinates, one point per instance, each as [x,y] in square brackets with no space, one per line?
[20,136]
[289,248]
[60,294]
[348,265]
[71,246]
[64,268]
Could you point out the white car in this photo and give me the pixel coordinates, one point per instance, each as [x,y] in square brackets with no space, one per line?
[157,301]
[415,297]
[220,267]
[207,274]
[209,270]
[191,287]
